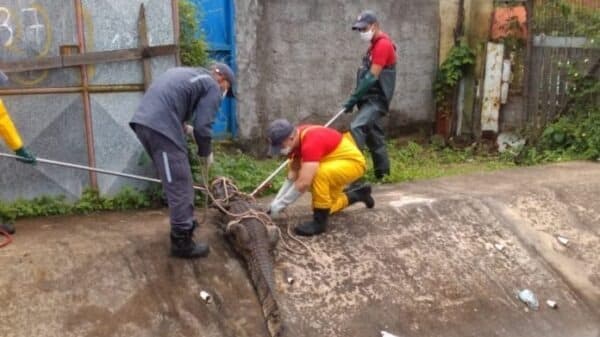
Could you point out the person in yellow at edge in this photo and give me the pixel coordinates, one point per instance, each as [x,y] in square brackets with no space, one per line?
[11,136]
[323,160]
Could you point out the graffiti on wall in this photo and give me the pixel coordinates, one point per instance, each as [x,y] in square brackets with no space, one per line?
[26,33]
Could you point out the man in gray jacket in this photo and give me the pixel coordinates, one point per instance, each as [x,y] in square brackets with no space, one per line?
[181,95]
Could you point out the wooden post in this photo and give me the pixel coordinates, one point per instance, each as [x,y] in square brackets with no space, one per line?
[143,45]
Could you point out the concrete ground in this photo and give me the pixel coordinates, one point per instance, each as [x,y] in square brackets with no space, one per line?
[423,262]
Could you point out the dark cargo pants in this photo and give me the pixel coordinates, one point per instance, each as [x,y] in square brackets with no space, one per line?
[174,171]
[367,129]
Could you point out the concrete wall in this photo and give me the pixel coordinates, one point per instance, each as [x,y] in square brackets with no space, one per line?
[299,58]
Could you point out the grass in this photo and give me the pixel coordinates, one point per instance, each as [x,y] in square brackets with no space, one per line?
[410,161]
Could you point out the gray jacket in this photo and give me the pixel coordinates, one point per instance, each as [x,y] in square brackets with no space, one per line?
[181,95]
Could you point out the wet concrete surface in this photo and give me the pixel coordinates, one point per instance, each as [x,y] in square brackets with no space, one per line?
[423,262]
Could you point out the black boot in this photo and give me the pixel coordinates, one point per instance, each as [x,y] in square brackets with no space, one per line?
[362,194]
[316,226]
[8,228]
[358,184]
[182,244]
[380,174]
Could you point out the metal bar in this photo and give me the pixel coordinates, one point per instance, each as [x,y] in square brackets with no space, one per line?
[71,90]
[144,43]
[562,42]
[87,106]
[270,177]
[527,69]
[176,32]
[107,56]
[93,169]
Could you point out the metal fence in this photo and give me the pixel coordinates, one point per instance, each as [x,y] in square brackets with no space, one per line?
[77,74]
[564,41]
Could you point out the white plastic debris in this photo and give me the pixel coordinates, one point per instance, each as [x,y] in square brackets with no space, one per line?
[205,296]
[528,297]
[290,280]
[507,141]
[562,240]
[387,334]
[499,246]
[552,304]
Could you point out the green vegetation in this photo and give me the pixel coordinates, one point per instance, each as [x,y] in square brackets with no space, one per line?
[449,74]
[413,161]
[193,50]
[575,134]
[561,18]
[410,161]
[90,202]
[451,71]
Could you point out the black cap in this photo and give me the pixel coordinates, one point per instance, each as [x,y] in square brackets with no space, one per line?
[364,19]
[226,71]
[279,130]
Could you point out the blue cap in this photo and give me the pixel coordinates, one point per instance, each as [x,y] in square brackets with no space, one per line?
[279,130]
[364,19]
[226,71]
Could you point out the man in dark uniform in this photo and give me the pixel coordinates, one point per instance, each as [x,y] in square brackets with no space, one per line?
[376,81]
[181,95]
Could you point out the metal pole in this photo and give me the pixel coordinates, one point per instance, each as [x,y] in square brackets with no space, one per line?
[87,105]
[269,178]
[92,169]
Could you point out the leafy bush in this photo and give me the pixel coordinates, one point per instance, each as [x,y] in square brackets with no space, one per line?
[193,51]
[452,70]
[575,134]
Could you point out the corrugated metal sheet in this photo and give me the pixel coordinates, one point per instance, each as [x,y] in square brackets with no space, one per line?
[491,87]
[72,127]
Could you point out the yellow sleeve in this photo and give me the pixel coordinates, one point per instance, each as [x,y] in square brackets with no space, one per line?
[8,131]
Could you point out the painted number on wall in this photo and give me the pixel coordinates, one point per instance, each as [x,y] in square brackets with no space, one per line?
[26,34]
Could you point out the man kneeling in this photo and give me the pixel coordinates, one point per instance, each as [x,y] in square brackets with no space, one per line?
[323,160]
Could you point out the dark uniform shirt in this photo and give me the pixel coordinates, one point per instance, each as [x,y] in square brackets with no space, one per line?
[181,95]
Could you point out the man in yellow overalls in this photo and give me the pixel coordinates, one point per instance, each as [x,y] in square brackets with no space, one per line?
[11,136]
[323,160]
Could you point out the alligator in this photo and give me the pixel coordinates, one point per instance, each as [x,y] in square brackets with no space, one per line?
[249,233]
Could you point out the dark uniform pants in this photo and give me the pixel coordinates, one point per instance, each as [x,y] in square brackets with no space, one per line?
[367,129]
[174,171]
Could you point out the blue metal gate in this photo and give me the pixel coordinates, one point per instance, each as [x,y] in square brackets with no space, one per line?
[217,20]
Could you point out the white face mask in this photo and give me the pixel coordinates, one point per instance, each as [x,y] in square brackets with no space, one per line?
[367,36]
[285,151]
[224,94]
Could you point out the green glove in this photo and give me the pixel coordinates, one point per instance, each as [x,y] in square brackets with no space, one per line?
[361,89]
[25,156]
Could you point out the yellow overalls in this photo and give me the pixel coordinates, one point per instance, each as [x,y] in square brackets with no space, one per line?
[336,170]
[8,131]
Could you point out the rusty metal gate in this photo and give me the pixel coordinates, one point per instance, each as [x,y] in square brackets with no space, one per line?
[78,69]
[560,45]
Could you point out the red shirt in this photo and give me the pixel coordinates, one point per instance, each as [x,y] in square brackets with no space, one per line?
[316,142]
[382,50]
